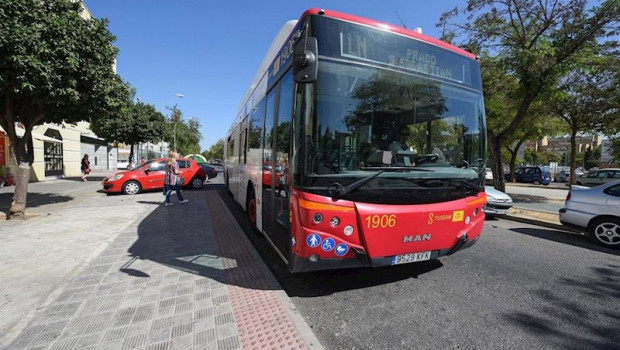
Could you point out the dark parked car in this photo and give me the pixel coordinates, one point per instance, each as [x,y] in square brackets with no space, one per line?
[211,172]
[531,174]
[563,175]
[595,210]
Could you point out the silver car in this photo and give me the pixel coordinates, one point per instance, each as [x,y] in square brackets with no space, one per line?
[595,210]
[498,202]
[598,177]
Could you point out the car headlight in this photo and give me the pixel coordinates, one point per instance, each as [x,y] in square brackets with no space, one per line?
[115,177]
[491,199]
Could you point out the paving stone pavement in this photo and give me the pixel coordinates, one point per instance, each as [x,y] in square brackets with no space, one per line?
[179,277]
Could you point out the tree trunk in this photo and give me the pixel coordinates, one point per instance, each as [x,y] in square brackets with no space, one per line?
[496,162]
[131,155]
[573,155]
[18,207]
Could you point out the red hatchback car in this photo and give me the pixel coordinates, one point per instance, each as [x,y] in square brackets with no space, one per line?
[150,176]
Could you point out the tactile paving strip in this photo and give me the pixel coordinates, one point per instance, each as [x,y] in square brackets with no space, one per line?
[262,321]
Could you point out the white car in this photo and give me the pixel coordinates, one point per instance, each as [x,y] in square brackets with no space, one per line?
[488,174]
[498,202]
[122,164]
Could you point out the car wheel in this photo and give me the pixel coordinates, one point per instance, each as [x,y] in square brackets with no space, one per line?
[536,182]
[132,187]
[606,231]
[250,208]
[197,183]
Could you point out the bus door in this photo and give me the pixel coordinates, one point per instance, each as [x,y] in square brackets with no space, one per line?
[275,208]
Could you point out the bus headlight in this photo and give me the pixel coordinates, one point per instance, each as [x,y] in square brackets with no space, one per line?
[348,230]
[335,221]
[318,217]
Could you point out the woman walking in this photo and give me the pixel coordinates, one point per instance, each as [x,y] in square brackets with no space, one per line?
[85,167]
[171,180]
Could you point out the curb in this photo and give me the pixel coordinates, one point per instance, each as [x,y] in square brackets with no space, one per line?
[548,224]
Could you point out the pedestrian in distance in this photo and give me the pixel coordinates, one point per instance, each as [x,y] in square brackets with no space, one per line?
[85,167]
[172,180]
[142,160]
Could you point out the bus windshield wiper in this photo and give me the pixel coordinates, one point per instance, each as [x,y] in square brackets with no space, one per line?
[336,190]
[394,168]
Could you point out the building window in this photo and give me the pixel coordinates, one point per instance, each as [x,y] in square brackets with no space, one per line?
[53,154]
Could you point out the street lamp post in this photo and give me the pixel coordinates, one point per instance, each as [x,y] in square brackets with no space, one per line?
[175,124]
[175,136]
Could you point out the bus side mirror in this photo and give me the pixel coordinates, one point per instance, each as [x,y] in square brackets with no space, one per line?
[305,64]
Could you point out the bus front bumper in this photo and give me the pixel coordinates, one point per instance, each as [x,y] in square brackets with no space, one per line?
[301,264]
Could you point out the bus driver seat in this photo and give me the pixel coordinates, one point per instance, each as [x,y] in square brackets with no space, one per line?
[379,158]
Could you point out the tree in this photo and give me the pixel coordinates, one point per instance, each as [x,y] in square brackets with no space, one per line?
[532,41]
[586,97]
[136,123]
[55,66]
[185,136]
[216,151]
[615,151]
[592,157]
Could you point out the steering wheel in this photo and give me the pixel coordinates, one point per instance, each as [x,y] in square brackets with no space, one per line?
[426,158]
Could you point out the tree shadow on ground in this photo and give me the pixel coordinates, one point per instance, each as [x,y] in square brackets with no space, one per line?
[199,238]
[182,237]
[566,237]
[527,198]
[89,178]
[572,324]
[33,200]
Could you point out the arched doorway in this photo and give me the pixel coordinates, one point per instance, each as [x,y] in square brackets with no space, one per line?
[52,153]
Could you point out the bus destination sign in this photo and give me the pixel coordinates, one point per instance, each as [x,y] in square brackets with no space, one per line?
[391,49]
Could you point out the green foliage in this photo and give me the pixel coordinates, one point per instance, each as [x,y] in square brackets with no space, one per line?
[592,157]
[615,151]
[541,157]
[136,123]
[186,134]
[216,151]
[55,66]
[529,45]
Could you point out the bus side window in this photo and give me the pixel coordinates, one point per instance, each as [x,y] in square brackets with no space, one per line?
[244,144]
[231,147]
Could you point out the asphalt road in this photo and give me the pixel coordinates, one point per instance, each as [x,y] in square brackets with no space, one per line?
[519,287]
[541,198]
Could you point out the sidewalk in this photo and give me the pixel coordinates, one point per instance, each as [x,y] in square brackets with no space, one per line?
[122,272]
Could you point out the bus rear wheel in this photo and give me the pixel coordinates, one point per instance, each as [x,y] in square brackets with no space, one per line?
[250,208]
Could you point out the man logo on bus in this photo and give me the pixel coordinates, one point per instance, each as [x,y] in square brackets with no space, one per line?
[417,238]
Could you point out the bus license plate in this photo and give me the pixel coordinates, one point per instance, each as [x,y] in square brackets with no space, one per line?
[410,258]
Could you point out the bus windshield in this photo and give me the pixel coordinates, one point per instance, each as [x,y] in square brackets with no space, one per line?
[421,133]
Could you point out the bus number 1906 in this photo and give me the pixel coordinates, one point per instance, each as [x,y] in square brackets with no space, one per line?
[382,221]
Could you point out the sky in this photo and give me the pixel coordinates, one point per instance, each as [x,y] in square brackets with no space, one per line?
[210,50]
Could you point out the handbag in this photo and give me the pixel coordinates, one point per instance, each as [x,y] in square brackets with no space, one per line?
[180,181]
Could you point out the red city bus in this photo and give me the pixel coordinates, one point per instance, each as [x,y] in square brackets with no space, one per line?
[380,135]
